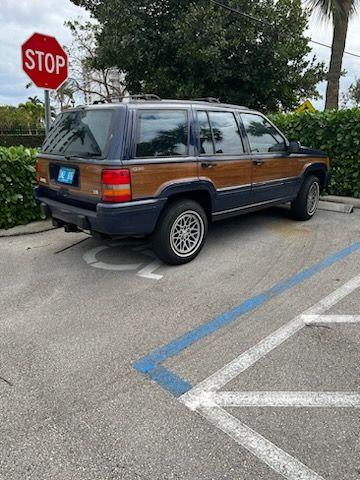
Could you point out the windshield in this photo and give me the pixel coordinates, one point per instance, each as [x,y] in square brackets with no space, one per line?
[80,133]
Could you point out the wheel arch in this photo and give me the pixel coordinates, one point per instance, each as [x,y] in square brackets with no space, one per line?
[201,192]
[319,170]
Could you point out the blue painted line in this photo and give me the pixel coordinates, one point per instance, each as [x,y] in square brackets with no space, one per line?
[169,381]
[150,364]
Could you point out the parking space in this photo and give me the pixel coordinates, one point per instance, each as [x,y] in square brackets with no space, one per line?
[211,401]
[109,356]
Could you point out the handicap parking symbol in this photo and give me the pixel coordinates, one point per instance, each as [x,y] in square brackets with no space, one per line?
[144,269]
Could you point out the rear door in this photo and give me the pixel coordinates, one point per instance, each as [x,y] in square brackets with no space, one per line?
[274,171]
[161,156]
[222,158]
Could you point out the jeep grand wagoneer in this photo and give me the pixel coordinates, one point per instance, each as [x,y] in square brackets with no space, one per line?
[167,168]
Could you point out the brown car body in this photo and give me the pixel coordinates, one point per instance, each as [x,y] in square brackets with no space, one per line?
[222,181]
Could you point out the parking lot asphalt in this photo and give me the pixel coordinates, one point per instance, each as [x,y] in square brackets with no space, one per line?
[81,317]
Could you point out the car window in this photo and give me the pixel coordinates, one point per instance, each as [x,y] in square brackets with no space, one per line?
[206,141]
[162,133]
[226,133]
[83,133]
[219,133]
[263,137]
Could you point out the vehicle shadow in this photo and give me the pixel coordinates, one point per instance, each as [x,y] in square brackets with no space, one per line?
[252,221]
[223,232]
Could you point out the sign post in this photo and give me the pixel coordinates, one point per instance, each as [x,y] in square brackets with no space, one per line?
[47,111]
[46,63]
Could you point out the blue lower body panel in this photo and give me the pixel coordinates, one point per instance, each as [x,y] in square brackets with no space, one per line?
[131,218]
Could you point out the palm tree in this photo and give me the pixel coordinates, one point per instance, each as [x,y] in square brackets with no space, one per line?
[35,100]
[339,12]
[65,94]
[34,109]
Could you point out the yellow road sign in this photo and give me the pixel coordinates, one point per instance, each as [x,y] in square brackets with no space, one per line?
[306,107]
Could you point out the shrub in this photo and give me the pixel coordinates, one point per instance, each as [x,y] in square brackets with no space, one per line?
[335,132]
[17,181]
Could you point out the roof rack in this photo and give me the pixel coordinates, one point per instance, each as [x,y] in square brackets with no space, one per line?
[207,99]
[147,97]
[129,98]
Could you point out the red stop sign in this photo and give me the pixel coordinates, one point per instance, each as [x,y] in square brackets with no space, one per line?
[45,61]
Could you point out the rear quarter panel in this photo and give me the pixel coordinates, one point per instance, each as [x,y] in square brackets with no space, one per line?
[150,179]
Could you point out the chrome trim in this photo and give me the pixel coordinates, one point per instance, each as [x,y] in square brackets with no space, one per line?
[133,203]
[250,205]
[158,160]
[226,157]
[237,187]
[277,181]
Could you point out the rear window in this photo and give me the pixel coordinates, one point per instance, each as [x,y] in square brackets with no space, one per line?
[81,133]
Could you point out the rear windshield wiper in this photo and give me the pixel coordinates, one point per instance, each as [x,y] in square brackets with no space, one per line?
[94,154]
[86,155]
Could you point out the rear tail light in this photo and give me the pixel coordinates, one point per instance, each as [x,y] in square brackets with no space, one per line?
[116,186]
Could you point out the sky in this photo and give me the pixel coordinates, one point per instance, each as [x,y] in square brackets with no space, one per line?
[20,18]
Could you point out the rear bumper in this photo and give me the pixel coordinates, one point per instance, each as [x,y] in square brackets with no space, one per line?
[132,218]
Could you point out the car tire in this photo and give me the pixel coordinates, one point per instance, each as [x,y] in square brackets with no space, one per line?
[181,232]
[306,203]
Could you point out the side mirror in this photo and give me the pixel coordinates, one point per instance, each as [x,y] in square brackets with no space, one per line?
[294,147]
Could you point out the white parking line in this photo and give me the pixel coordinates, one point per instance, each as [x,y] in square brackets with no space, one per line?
[283,399]
[206,399]
[280,461]
[320,319]
[247,359]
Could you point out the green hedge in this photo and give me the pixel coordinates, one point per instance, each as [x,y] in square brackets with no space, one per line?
[30,141]
[335,132]
[17,181]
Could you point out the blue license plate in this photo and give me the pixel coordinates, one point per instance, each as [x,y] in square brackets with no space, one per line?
[66,175]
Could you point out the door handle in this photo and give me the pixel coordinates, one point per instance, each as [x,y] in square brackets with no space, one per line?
[208,164]
[258,162]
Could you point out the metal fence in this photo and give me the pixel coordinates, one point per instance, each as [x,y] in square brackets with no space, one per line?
[30,130]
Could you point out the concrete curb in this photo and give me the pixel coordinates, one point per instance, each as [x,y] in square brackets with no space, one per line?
[336,207]
[29,229]
[355,202]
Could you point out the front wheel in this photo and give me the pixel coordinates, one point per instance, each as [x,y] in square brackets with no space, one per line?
[180,233]
[306,203]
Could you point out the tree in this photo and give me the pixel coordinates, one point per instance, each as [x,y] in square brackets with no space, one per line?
[34,109]
[186,49]
[339,12]
[12,119]
[26,117]
[352,95]
[354,92]
[92,80]
[64,96]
